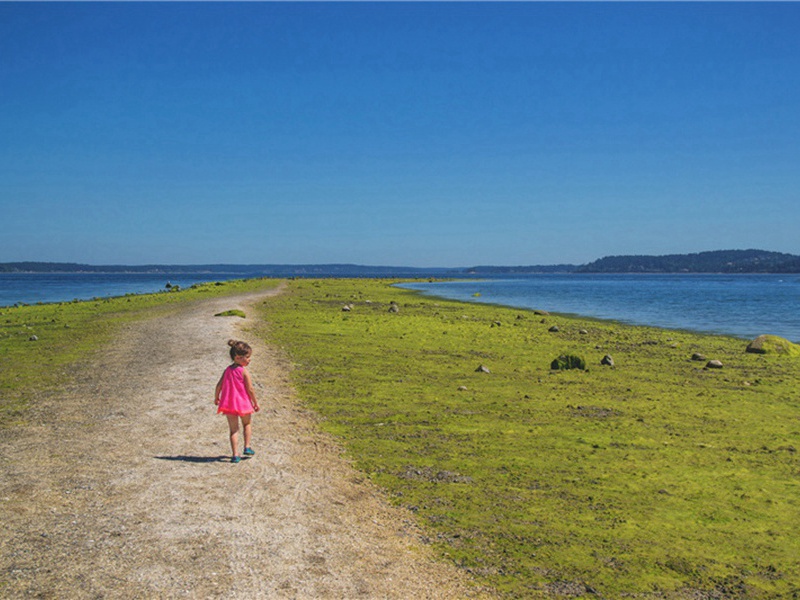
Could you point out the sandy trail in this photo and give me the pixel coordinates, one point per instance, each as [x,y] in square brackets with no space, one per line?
[122,487]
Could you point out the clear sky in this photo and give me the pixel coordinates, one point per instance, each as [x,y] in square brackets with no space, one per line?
[413,134]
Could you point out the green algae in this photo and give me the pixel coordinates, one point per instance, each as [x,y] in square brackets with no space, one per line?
[657,478]
[232,313]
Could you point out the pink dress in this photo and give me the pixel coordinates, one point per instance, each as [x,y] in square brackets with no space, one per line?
[233,398]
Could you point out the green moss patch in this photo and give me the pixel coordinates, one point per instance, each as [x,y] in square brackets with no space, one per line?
[772,344]
[568,361]
[654,479]
[231,313]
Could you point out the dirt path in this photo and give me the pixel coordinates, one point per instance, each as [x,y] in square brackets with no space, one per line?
[123,487]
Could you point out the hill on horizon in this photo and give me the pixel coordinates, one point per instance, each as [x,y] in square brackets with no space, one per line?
[715,261]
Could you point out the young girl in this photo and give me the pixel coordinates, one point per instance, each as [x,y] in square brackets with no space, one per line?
[236,398]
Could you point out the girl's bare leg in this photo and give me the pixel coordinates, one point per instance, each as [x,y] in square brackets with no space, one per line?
[248,429]
[233,426]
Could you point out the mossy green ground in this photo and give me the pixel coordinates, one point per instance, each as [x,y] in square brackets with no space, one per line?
[654,477]
[69,332]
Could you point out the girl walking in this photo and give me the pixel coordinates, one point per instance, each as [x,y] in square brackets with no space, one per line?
[236,399]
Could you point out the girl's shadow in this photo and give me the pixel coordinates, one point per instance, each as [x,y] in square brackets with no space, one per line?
[195,459]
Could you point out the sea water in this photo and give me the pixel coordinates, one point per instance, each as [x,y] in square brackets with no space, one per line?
[743,306]
[740,305]
[32,288]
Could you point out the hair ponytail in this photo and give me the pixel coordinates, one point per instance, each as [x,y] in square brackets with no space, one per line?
[239,349]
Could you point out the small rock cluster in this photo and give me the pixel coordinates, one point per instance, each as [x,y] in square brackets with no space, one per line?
[432,475]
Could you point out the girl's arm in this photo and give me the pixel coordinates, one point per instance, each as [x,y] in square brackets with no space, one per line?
[216,391]
[248,383]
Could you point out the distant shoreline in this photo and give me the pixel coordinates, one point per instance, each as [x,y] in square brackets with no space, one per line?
[712,262]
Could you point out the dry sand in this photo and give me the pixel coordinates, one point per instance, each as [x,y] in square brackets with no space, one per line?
[122,485]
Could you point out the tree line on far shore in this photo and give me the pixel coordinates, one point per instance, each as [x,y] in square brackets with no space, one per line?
[720,261]
[716,261]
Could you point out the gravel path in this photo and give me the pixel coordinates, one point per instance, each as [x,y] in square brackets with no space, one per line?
[122,486]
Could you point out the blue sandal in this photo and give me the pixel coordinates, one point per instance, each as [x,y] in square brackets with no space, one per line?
[236,459]
[249,452]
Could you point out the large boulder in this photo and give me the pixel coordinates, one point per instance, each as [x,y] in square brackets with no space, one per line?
[772,344]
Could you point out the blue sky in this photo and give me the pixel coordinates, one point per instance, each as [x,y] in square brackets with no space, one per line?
[416,134]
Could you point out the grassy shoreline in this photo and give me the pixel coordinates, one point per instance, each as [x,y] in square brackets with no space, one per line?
[41,343]
[655,477]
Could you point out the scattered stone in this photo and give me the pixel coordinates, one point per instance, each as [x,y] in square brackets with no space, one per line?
[714,364]
[583,332]
[462,388]
[33,338]
[698,357]
[554,329]
[482,369]
[496,324]
[772,344]
[607,361]
[568,361]
[541,312]
[393,308]
[347,308]
[594,412]
[429,474]
[567,589]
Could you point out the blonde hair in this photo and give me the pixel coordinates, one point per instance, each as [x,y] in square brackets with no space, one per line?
[239,349]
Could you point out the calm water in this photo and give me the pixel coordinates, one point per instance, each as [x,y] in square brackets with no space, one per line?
[740,305]
[31,288]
